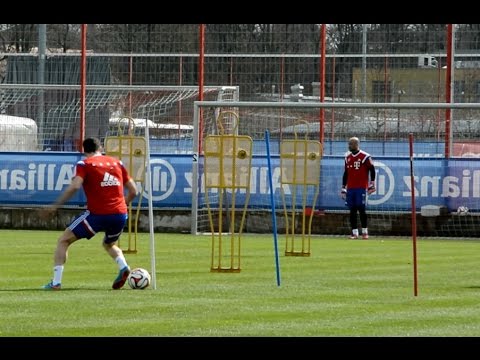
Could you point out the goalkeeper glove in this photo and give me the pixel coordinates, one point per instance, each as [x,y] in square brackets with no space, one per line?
[343,193]
[371,187]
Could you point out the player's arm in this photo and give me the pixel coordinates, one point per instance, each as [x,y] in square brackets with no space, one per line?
[74,186]
[343,192]
[132,191]
[129,184]
[372,173]
[371,185]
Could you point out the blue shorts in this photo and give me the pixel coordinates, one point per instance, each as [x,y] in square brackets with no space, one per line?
[356,198]
[86,225]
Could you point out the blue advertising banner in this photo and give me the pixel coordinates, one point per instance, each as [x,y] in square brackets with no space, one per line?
[36,178]
[39,178]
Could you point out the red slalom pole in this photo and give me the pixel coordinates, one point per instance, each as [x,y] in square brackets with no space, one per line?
[414,219]
[83,83]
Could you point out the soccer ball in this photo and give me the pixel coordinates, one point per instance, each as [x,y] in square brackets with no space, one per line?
[139,279]
[462,210]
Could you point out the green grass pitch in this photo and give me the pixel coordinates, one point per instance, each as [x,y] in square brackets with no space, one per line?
[346,288]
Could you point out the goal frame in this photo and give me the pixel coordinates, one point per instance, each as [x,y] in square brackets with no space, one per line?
[199,105]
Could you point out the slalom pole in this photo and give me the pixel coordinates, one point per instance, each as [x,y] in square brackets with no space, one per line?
[414,219]
[272,203]
[150,210]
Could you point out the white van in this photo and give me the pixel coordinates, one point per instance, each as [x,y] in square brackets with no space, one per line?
[18,133]
[136,127]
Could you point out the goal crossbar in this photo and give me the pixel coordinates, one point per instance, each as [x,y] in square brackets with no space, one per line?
[343,105]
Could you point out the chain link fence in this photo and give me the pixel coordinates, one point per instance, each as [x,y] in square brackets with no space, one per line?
[403,63]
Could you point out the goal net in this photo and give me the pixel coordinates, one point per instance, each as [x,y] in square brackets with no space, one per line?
[446,178]
[55,109]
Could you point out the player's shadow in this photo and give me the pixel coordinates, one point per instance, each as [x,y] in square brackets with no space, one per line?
[52,291]
[472,287]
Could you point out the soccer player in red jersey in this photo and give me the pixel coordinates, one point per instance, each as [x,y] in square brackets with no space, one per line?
[355,185]
[103,179]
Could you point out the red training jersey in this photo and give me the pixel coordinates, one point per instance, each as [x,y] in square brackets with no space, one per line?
[103,179]
[357,167]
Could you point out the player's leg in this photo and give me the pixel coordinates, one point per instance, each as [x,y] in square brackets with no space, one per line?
[79,228]
[351,202]
[114,228]
[353,222]
[59,259]
[363,216]
[124,270]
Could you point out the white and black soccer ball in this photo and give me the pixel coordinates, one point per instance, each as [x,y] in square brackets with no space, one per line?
[462,210]
[139,279]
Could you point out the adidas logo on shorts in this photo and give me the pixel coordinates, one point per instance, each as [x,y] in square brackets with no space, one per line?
[109,180]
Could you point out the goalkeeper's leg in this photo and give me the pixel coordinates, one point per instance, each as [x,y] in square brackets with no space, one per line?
[363,221]
[353,222]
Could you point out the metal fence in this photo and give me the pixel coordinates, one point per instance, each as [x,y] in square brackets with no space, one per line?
[400,63]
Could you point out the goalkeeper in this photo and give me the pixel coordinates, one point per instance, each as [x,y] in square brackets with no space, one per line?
[356,185]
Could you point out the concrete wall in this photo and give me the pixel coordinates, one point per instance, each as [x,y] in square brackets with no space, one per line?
[451,225]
